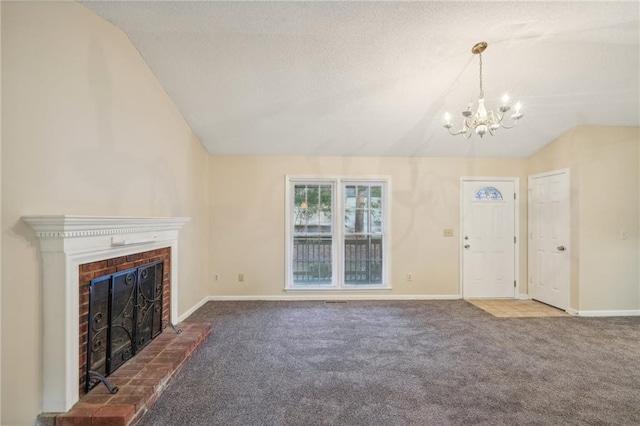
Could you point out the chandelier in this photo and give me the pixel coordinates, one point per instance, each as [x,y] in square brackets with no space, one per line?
[483,121]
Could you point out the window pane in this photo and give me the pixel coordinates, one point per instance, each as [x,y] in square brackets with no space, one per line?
[376,221]
[363,259]
[312,260]
[488,193]
[356,209]
[312,209]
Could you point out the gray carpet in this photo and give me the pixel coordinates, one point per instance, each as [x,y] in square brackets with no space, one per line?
[403,363]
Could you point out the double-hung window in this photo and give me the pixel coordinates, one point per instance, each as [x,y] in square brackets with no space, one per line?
[337,233]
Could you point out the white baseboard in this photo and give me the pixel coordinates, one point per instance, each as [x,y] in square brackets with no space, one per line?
[524,296]
[620,313]
[572,311]
[194,308]
[319,297]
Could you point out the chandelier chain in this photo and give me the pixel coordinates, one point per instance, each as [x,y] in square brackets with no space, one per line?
[481,89]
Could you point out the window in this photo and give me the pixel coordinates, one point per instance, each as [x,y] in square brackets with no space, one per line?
[488,193]
[337,233]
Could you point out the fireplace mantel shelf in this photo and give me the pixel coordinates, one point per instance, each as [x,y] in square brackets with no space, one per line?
[66,242]
[73,226]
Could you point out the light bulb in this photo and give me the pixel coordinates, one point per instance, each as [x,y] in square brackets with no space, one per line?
[505,99]
[447,120]
[518,107]
[482,111]
[481,130]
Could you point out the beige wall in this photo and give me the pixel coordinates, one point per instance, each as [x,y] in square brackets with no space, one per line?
[605,188]
[248,229]
[609,190]
[0,210]
[87,129]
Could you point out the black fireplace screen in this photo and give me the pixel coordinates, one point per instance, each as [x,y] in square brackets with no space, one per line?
[125,314]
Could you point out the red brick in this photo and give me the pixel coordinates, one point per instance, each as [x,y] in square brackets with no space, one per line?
[134,257]
[124,266]
[116,261]
[136,390]
[91,399]
[138,401]
[77,416]
[113,415]
[86,277]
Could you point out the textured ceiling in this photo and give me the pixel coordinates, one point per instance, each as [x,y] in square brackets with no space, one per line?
[375,78]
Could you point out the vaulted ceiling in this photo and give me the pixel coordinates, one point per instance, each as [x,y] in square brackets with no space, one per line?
[375,78]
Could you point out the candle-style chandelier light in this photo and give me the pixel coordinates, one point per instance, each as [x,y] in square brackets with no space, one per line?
[483,121]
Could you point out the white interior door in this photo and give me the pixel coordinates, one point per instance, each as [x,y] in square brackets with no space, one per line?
[488,239]
[549,233]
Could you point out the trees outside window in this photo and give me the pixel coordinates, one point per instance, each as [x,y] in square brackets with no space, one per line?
[336,233]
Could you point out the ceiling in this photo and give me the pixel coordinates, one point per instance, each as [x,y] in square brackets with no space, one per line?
[375,78]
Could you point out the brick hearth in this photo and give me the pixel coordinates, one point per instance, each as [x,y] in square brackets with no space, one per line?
[140,381]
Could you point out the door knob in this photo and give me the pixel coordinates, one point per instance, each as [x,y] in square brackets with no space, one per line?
[467,246]
[560,248]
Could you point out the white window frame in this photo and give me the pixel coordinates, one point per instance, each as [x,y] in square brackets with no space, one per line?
[337,220]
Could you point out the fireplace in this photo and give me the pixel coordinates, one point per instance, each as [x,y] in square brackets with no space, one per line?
[121,311]
[107,244]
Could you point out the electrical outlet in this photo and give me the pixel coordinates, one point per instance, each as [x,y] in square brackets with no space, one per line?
[409,277]
[447,232]
[623,234]
[241,277]
[216,277]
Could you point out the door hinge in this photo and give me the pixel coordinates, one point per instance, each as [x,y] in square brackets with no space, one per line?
[514,283]
[514,195]
[514,240]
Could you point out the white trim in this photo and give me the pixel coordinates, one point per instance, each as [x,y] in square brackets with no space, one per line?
[355,288]
[337,182]
[516,225]
[192,309]
[524,296]
[66,242]
[572,311]
[320,297]
[617,313]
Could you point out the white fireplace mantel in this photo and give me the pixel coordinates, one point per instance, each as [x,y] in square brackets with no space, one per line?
[66,242]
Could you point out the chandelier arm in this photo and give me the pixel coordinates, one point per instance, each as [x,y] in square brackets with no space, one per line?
[456,133]
[504,126]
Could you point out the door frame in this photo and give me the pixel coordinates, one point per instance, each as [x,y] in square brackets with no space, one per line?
[530,257]
[516,226]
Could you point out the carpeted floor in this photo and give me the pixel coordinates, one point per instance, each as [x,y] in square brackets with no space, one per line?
[403,363]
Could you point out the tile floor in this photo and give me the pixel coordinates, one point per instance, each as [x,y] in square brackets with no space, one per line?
[510,308]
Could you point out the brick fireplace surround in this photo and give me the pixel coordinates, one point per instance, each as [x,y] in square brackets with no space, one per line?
[74,250]
[100,268]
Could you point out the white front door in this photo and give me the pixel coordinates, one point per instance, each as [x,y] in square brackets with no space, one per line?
[488,239]
[549,238]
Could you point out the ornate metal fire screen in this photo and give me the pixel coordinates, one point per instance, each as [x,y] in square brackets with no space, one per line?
[125,314]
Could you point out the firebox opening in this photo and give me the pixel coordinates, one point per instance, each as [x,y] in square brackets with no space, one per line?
[125,314]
